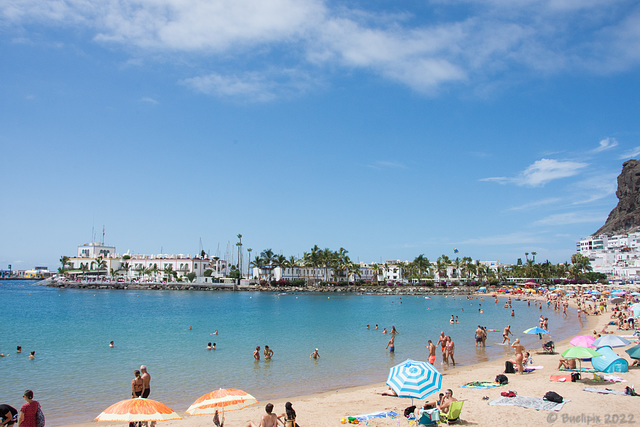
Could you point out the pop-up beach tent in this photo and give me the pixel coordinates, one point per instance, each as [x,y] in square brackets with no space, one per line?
[609,362]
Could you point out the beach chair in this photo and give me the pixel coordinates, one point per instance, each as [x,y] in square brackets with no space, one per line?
[453,416]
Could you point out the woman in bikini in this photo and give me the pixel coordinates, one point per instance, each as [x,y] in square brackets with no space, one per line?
[450,348]
[136,385]
[289,416]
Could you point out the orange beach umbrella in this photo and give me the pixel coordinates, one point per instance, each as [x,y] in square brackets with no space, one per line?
[138,409]
[228,399]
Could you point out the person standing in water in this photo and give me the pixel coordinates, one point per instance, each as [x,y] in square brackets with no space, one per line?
[432,352]
[505,334]
[391,344]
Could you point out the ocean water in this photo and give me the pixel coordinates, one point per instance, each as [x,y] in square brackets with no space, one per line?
[76,375]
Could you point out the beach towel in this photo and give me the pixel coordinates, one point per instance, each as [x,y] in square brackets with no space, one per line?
[578,370]
[611,378]
[536,403]
[535,367]
[381,414]
[604,391]
[480,384]
[561,378]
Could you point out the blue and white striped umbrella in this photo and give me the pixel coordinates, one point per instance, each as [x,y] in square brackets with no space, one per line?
[414,379]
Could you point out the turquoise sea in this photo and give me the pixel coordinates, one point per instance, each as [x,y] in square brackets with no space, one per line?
[76,375]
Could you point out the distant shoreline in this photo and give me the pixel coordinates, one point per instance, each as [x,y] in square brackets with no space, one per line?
[184,286]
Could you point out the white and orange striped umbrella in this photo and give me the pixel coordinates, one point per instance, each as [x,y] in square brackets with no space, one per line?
[228,399]
[138,409]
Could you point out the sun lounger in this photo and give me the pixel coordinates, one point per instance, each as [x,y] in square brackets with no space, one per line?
[528,402]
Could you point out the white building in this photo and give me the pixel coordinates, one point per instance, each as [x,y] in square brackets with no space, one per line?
[96,259]
[617,255]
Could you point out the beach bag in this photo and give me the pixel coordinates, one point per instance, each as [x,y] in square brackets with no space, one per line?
[575,376]
[502,379]
[552,396]
[39,417]
[409,410]
[508,367]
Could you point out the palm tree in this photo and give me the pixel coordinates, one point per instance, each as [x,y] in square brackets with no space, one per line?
[141,271]
[533,255]
[268,256]
[168,271]
[442,263]
[249,264]
[100,264]
[526,254]
[154,270]
[282,262]
[84,267]
[457,265]
[126,267]
[377,269]
[258,263]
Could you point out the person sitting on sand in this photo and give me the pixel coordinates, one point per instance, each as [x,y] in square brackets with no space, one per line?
[567,363]
[289,416]
[268,420]
[444,403]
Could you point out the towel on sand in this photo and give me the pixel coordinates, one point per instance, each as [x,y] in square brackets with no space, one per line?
[529,402]
[480,384]
[381,414]
[577,370]
[604,391]
[611,378]
[561,378]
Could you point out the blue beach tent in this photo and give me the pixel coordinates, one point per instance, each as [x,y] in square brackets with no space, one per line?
[609,362]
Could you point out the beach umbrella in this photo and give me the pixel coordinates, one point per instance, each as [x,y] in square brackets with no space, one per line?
[582,341]
[635,294]
[634,352]
[229,399]
[536,330]
[414,379]
[580,353]
[611,340]
[138,409]
[615,300]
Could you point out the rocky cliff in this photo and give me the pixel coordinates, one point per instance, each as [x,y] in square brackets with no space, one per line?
[625,218]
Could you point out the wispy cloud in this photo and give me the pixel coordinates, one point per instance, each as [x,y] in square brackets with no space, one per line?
[595,188]
[541,172]
[606,144]
[571,218]
[536,204]
[385,164]
[634,152]
[515,238]
[149,100]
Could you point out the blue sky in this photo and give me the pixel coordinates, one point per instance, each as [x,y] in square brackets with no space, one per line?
[389,128]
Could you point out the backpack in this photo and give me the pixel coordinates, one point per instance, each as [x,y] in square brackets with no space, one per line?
[575,376]
[552,396]
[502,379]
[409,410]
[508,367]
[39,417]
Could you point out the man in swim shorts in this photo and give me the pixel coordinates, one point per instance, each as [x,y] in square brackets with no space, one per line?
[391,344]
[432,352]
[479,333]
[146,381]
[505,334]
[442,342]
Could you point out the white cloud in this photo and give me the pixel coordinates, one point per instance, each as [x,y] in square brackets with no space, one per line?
[634,152]
[595,188]
[149,100]
[541,172]
[475,47]
[571,218]
[606,144]
[383,164]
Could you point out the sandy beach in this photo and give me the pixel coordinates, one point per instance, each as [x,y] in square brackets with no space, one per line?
[327,409]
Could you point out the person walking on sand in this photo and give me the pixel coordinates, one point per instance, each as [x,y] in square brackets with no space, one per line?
[432,352]
[505,334]
[519,349]
[256,353]
[268,420]
[28,411]
[391,344]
